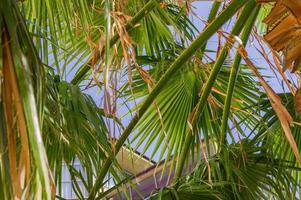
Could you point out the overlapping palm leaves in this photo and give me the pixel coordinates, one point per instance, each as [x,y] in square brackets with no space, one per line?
[69,35]
[70,45]
[73,129]
[163,128]
[271,133]
[247,170]
[75,32]
[73,121]
[24,165]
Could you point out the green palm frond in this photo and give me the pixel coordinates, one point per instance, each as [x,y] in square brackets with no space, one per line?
[70,33]
[250,171]
[73,115]
[271,133]
[24,169]
[74,130]
[145,54]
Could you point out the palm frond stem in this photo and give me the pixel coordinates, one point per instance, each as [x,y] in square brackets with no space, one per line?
[213,12]
[234,72]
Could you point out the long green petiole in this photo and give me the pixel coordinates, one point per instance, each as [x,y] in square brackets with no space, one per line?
[234,72]
[209,84]
[213,12]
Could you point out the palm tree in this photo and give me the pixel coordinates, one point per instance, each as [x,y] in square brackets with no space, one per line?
[153,87]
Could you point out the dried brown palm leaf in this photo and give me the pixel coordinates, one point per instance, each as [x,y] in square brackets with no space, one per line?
[13,104]
[292,54]
[284,30]
[287,37]
[277,11]
[294,6]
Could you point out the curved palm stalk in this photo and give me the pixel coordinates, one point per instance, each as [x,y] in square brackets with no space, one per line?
[177,64]
[21,91]
[212,15]
[207,88]
[144,11]
[234,73]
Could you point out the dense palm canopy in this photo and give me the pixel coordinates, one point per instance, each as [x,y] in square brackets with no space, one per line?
[81,78]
